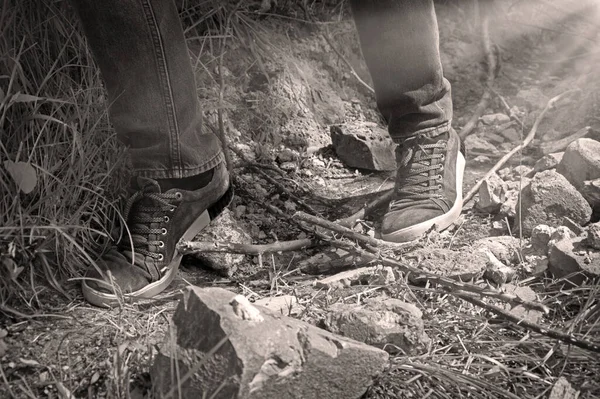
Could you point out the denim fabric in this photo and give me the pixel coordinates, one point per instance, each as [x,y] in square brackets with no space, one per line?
[142,55]
[141,51]
[400,44]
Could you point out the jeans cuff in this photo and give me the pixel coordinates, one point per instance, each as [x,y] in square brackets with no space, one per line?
[184,172]
[432,131]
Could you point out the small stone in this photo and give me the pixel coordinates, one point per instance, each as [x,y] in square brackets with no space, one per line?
[548,162]
[581,162]
[477,144]
[374,275]
[278,357]
[240,210]
[494,138]
[287,155]
[492,194]
[511,135]
[562,389]
[495,119]
[509,206]
[461,265]
[591,193]
[482,159]
[570,258]
[497,271]
[547,200]
[562,232]
[364,146]
[504,248]
[526,294]
[535,265]
[289,166]
[505,173]
[286,305]
[383,322]
[224,228]
[593,236]
[540,237]
[571,225]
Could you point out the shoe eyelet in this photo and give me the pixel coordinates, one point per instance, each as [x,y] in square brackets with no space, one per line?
[439,186]
[161,244]
[163,231]
[166,219]
[178,195]
[161,257]
[440,177]
[172,209]
[443,158]
[441,168]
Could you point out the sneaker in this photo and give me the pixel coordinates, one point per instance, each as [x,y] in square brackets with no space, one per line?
[428,189]
[146,263]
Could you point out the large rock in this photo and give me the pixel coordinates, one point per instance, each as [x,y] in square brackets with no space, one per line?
[388,322]
[591,193]
[364,146]
[570,257]
[492,194]
[548,162]
[581,162]
[547,199]
[222,342]
[478,145]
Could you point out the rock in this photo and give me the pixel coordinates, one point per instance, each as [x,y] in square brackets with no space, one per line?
[562,389]
[547,200]
[477,144]
[373,275]
[591,192]
[535,265]
[509,207]
[495,119]
[332,259]
[286,305]
[571,225]
[481,159]
[562,232]
[548,162]
[593,236]
[531,98]
[511,135]
[581,162]
[540,237]
[492,194]
[461,265]
[494,138]
[571,259]
[388,323]
[526,294]
[364,146]
[278,357]
[504,248]
[224,228]
[519,173]
[497,271]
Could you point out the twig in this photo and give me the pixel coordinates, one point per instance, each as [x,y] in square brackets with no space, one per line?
[193,247]
[346,232]
[551,103]
[492,69]
[382,198]
[561,336]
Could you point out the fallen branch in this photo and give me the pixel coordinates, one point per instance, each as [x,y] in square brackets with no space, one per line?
[194,247]
[380,200]
[559,335]
[492,69]
[551,103]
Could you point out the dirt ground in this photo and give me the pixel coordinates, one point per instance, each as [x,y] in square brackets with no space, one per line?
[279,110]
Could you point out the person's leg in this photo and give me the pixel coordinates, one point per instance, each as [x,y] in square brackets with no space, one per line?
[180,181]
[400,43]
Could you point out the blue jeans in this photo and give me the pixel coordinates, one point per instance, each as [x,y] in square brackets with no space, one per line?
[141,51]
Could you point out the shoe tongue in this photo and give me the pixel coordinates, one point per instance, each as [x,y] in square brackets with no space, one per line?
[145,184]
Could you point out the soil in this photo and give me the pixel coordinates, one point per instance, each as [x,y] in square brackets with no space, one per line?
[281,103]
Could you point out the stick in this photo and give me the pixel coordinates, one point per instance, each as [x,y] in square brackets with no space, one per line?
[194,247]
[561,336]
[492,68]
[346,232]
[551,103]
[382,198]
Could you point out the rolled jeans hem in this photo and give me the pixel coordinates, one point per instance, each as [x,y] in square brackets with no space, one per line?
[443,128]
[182,173]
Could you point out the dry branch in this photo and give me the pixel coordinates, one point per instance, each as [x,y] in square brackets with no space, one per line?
[193,247]
[382,198]
[551,103]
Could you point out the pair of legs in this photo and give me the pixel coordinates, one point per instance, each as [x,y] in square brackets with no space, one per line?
[181,182]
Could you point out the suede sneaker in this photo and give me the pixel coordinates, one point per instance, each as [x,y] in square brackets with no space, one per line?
[147,261]
[428,189]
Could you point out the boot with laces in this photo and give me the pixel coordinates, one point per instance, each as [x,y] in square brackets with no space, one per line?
[428,190]
[146,261]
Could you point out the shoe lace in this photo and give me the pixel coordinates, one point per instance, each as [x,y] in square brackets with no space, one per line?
[142,210]
[416,177]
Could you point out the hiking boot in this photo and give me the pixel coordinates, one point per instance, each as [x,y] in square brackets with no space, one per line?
[428,189]
[147,261]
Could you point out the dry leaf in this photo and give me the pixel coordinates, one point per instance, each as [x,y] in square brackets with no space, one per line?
[23,174]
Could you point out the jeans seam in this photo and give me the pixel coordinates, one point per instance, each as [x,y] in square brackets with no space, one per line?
[167,89]
[183,172]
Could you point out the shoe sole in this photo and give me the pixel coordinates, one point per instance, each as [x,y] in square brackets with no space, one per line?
[103,299]
[442,222]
